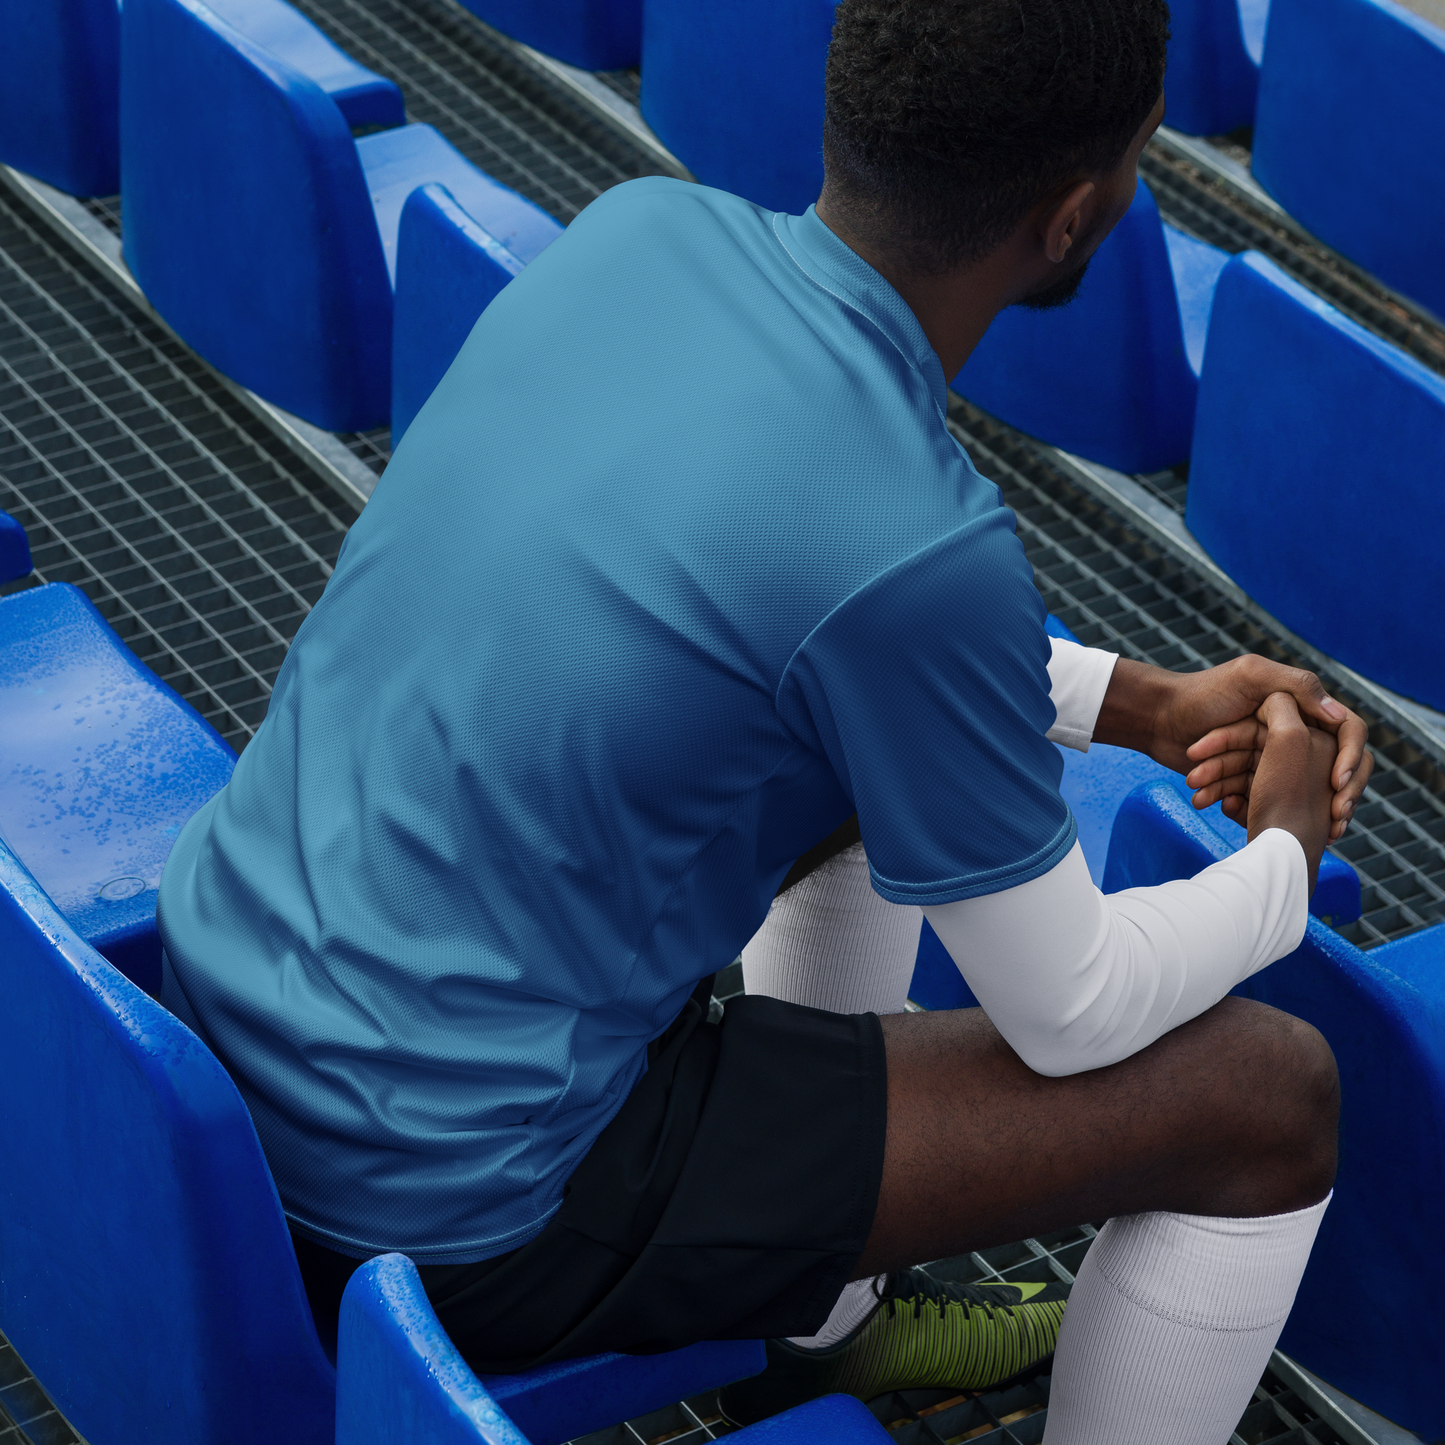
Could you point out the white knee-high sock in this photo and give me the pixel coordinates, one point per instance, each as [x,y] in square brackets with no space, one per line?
[1170,1325]
[831,942]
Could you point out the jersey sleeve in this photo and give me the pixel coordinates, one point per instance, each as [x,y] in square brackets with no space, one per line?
[928,691]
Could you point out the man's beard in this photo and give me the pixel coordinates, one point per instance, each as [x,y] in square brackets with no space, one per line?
[1050,298]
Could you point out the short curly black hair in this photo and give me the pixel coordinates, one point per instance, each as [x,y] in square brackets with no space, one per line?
[948,119]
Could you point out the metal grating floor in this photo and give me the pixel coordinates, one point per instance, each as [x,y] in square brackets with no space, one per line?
[202,540]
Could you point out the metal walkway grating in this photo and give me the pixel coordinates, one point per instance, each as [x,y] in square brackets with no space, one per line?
[202,540]
[1117,590]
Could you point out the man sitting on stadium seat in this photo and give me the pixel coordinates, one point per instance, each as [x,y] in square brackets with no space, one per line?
[680,569]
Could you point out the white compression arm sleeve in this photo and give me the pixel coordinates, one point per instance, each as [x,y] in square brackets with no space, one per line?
[1076,979]
[1078,679]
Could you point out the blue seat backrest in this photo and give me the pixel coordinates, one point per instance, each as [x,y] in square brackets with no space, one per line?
[247,215]
[146,1275]
[594,34]
[100,766]
[448,269]
[1383,1014]
[1329,441]
[736,92]
[1212,75]
[59,97]
[1349,130]
[1109,375]
[362,96]
[400,1379]
[15,559]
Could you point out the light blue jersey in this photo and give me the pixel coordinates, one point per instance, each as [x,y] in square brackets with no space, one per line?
[678,568]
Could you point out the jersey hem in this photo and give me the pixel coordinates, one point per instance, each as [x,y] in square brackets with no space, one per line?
[423,1254]
[979,885]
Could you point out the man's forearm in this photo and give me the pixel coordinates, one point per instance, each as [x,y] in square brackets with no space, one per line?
[1135,706]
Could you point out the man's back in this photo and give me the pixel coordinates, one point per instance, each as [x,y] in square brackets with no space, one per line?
[571,706]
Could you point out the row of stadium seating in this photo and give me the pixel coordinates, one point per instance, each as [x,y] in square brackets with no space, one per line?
[101,765]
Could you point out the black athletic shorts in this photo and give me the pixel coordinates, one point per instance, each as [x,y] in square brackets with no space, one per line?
[730,1198]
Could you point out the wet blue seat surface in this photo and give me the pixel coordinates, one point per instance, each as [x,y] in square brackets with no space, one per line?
[593,34]
[1114,375]
[1328,440]
[59,102]
[448,269]
[1349,130]
[146,1274]
[1383,1014]
[100,766]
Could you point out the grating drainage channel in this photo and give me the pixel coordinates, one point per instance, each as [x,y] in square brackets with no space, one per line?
[459,76]
[1195,202]
[141,480]
[1116,589]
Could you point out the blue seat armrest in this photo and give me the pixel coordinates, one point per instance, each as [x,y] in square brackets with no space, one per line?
[1196,266]
[363,97]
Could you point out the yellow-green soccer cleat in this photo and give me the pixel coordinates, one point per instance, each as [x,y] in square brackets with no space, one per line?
[925,1334]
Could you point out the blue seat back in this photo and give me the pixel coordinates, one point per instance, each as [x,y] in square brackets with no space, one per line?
[14,550]
[247,217]
[1109,375]
[101,764]
[1212,74]
[449,267]
[1314,479]
[1383,1014]
[735,91]
[593,34]
[400,1379]
[146,1274]
[1349,130]
[59,100]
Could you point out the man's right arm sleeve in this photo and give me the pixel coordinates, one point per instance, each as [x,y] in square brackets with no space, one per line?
[1076,979]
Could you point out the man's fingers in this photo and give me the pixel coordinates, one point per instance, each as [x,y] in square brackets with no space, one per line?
[1233,737]
[1237,808]
[1239,760]
[1310,696]
[1352,738]
[1236,785]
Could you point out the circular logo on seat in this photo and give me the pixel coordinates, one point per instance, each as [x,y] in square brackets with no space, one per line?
[119,889]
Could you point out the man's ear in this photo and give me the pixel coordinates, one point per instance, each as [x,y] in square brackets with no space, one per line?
[1065,223]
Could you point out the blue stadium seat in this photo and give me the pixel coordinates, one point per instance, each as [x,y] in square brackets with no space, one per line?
[735,91]
[257,226]
[1359,1321]
[448,269]
[1314,479]
[1094,785]
[59,100]
[1215,50]
[14,550]
[100,766]
[400,1379]
[146,1273]
[1349,130]
[1114,375]
[594,34]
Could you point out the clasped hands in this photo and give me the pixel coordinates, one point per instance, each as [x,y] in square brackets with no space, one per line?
[1266,739]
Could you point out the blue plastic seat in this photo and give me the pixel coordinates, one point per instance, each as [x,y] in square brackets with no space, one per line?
[736,93]
[100,766]
[448,269]
[1359,1320]
[1114,375]
[59,101]
[1212,75]
[1095,785]
[1314,479]
[146,1273]
[1349,130]
[14,550]
[399,1378]
[257,226]
[593,34]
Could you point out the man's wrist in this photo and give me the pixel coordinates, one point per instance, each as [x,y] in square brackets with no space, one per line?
[1135,705]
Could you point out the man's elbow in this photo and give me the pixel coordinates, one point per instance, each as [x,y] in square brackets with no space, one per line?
[1056,1054]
